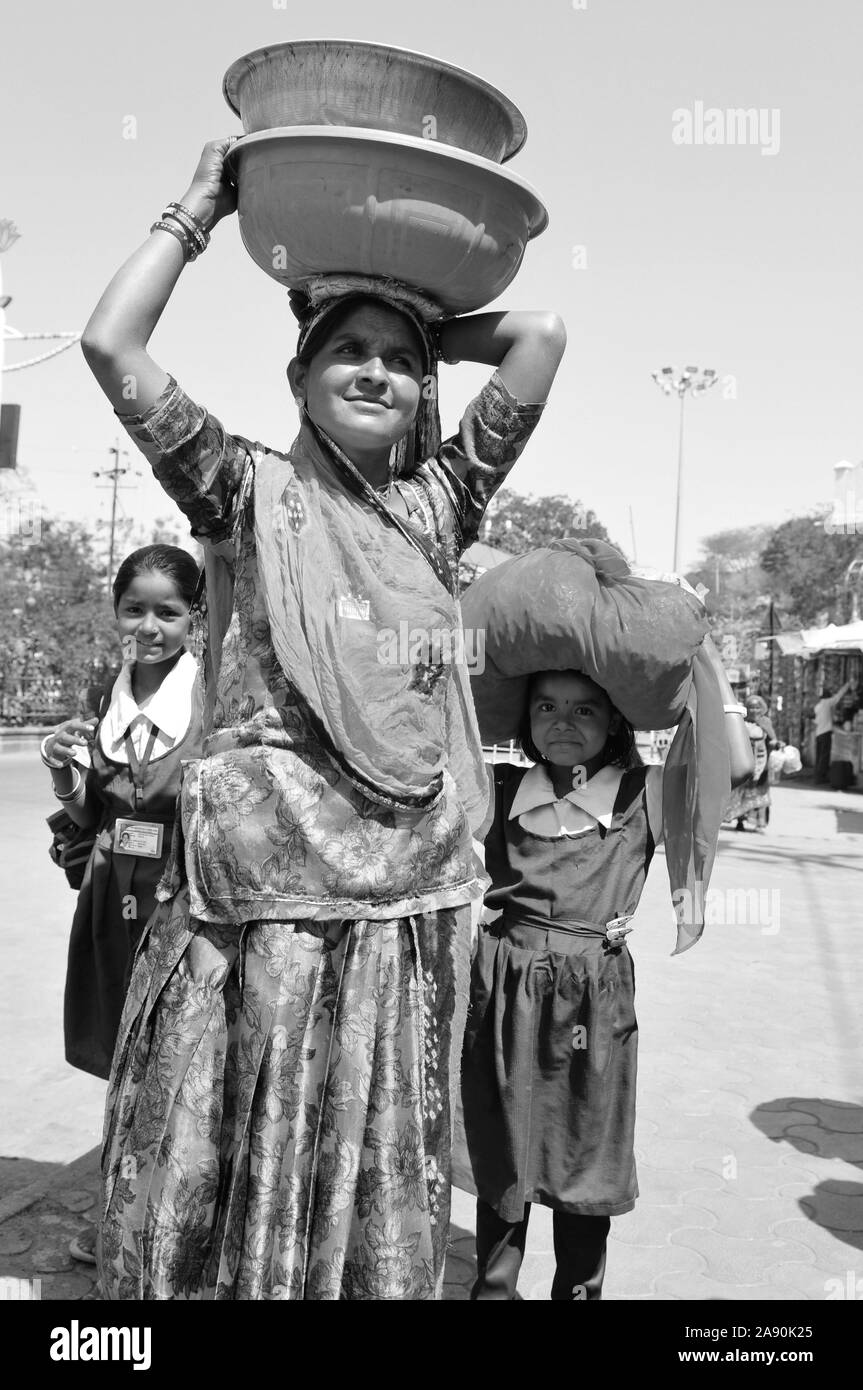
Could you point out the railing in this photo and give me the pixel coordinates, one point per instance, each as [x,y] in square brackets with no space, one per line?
[505,753]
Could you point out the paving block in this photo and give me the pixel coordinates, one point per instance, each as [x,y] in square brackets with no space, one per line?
[14,1241]
[730,1156]
[753,1183]
[842,1116]
[460,1271]
[734,1260]
[818,1282]
[773,1124]
[828,1143]
[747,1218]
[837,1210]
[829,1245]
[651,1225]
[668,1187]
[685,1155]
[74,1284]
[702,1287]
[50,1259]
[633,1270]
[77,1199]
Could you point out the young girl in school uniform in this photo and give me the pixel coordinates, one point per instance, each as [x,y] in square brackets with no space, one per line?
[549,1064]
[120,772]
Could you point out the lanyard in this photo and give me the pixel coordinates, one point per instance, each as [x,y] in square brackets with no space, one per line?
[139,768]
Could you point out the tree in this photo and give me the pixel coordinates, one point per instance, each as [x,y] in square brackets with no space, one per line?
[806,565]
[58,622]
[517,522]
[738,599]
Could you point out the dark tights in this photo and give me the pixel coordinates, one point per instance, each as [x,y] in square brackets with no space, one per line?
[579,1251]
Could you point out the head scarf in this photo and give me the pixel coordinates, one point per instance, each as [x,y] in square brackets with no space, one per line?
[324,295]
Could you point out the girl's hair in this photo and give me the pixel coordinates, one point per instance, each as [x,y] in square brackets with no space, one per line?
[619,751]
[178,565]
[342,309]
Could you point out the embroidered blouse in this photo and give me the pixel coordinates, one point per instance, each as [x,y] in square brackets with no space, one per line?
[271,828]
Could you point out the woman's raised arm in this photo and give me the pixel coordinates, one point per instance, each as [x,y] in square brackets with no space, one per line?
[525,346]
[115,340]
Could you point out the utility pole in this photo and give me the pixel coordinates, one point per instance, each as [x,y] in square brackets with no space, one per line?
[115,474]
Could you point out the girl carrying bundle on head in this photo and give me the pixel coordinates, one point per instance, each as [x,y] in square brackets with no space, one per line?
[119,773]
[548,1085]
[282,1089]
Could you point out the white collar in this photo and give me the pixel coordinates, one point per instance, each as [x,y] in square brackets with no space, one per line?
[168,707]
[596,796]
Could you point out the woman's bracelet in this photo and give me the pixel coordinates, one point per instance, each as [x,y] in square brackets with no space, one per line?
[49,762]
[76,787]
[176,229]
[735,709]
[436,329]
[193,225]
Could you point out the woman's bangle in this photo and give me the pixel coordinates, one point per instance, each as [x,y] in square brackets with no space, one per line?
[76,787]
[735,709]
[177,230]
[436,329]
[193,225]
[49,762]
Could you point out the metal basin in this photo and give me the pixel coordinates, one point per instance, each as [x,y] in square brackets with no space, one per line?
[335,82]
[313,201]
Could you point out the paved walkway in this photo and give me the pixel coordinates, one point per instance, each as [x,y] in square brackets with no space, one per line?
[750,1131]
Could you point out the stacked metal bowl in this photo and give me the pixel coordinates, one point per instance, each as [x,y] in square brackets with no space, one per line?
[374,160]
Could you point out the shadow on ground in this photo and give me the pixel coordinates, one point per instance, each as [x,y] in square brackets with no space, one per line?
[828,1129]
[460,1264]
[16,1173]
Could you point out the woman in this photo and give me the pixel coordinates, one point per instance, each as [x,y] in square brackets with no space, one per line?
[752,798]
[279,1119]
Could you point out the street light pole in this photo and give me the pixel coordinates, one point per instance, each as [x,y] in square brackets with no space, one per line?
[670,383]
[9,234]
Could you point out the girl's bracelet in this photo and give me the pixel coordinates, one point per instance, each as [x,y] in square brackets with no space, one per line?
[43,753]
[76,787]
[735,709]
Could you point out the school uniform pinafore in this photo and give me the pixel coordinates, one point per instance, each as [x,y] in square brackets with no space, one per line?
[549,1062]
[118,894]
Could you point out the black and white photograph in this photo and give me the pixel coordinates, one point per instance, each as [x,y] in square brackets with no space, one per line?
[431,568]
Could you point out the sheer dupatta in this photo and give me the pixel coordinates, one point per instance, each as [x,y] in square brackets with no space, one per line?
[344,581]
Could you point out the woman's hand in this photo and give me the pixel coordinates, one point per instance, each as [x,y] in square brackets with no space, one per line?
[67,740]
[212,194]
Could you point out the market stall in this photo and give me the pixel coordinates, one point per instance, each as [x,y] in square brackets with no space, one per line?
[803,663]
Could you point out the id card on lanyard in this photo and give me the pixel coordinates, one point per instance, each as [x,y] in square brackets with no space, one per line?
[139,837]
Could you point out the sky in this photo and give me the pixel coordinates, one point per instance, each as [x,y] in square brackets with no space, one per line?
[743,257]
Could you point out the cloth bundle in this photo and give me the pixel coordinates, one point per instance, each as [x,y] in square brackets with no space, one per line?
[576,605]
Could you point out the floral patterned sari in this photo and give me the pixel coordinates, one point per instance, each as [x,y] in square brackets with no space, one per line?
[280,1108]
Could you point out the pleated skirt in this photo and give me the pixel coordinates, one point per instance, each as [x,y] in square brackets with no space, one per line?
[280,1109]
[549,1074]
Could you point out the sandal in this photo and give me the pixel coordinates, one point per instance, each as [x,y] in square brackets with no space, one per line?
[83,1246]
